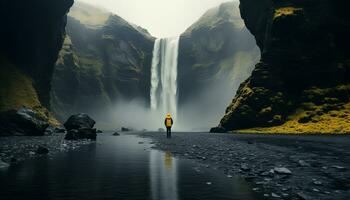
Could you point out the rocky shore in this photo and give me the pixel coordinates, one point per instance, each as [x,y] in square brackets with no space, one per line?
[279,166]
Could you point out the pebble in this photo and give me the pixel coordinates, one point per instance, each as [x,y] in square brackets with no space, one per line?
[3,165]
[275,195]
[208,183]
[317,183]
[282,170]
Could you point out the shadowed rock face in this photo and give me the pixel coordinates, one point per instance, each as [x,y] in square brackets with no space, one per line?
[101,61]
[216,48]
[304,47]
[31,36]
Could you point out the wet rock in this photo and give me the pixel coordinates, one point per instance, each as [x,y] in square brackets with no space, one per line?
[79,121]
[116,134]
[318,183]
[81,134]
[341,168]
[302,196]
[124,129]
[50,130]
[275,195]
[3,165]
[24,122]
[99,131]
[80,126]
[42,150]
[60,130]
[218,129]
[244,167]
[303,163]
[282,170]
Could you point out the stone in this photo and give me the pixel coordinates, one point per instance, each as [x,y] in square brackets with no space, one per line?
[24,122]
[42,150]
[244,167]
[124,129]
[303,163]
[274,195]
[79,121]
[282,170]
[116,134]
[80,126]
[4,165]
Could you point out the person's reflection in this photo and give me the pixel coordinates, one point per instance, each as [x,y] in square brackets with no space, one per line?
[163,171]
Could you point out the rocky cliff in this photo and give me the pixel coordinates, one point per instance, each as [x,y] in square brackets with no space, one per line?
[31,36]
[216,54]
[104,59]
[217,48]
[301,83]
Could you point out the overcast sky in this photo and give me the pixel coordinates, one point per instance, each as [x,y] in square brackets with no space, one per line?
[162,18]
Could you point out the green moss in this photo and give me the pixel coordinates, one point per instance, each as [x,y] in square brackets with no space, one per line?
[16,91]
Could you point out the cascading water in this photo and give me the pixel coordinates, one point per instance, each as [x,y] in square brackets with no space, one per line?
[163,92]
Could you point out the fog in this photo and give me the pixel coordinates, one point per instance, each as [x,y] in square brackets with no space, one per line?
[162,18]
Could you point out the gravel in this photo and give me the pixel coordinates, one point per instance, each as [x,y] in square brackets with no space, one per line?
[285,166]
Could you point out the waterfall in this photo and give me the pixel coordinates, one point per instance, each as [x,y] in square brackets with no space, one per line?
[163,92]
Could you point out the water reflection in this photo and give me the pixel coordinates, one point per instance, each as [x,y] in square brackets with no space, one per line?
[163,175]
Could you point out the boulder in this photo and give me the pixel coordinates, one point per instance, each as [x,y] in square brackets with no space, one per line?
[80,126]
[79,134]
[24,122]
[116,134]
[79,121]
[123,129]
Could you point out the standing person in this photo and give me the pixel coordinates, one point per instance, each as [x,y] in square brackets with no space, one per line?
[168,124]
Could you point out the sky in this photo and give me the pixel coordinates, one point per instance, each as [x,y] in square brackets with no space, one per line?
[162,18]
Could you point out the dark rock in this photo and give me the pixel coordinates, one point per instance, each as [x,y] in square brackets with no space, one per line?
[244,167]
[60,130]
[3,165]
[218,129]
[79,121]
[282,170]
[99,131]
[87,133]
[42,150]
[22,122]
[124,129]
[34,52]
[116,134]
[286,75]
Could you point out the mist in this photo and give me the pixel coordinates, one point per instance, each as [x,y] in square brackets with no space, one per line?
[162,18]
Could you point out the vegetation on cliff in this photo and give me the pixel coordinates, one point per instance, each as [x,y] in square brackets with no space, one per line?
[102,61]
[301,83]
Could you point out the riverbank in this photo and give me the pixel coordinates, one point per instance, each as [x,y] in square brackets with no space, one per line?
[280,166]
[18,148]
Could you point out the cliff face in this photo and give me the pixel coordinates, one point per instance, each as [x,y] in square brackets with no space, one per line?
[104,59]
[31,36]
[217,48]
[302,79]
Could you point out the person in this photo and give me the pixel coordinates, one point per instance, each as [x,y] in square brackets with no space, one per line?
[168,124]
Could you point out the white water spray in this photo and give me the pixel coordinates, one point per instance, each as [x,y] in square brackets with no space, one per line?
[163,92]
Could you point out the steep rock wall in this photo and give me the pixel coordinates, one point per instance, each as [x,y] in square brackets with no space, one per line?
[305,60]
[31,36]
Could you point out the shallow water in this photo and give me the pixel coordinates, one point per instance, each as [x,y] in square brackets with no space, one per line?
[123,167]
